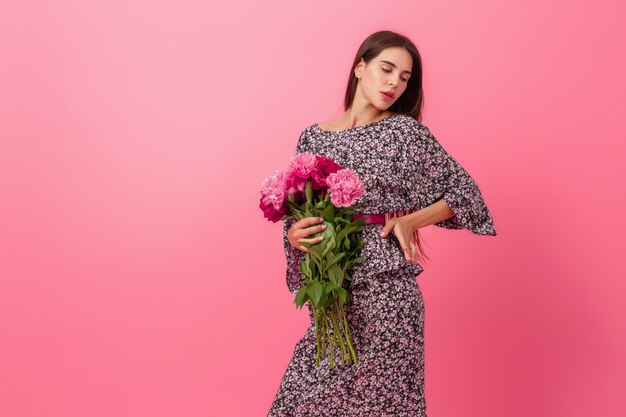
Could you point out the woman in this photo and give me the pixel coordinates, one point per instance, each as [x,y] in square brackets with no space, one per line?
[410,182]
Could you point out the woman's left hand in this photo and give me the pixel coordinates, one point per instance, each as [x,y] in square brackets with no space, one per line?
[403,229]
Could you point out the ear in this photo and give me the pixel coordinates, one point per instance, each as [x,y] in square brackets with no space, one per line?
[358,69]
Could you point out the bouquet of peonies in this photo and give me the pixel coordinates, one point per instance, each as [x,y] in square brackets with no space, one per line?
[315,186]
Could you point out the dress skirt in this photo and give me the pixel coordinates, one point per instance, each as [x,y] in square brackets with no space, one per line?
[386,318]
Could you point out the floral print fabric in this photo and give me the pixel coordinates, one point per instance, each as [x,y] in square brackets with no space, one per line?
[403,167]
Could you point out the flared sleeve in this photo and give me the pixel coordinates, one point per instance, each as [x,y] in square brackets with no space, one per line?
[293,255]
[440,176]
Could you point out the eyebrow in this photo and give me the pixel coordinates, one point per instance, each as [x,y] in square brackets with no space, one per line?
[394,65]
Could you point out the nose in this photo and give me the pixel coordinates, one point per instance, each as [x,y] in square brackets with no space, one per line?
[392,81]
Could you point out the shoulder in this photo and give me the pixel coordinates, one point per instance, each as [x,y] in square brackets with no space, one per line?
[307,132]
[305,137]
[408,121]
[409,128]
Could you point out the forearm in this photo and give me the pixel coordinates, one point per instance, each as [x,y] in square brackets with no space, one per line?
[432,214]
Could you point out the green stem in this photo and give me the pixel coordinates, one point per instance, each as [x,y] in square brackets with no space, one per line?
[317,334]
[335,333]
[338,333]
[330,340]
[346,327]
[349,338]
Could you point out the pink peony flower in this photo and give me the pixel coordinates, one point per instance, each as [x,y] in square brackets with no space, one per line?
[302,165]
[300,168]
[294,184]
[273,193]
[273,189]
[344,187]
[325,167]
[305,166]
[271,214]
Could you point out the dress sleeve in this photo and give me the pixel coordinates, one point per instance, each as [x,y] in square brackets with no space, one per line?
[440,176]
[293,255]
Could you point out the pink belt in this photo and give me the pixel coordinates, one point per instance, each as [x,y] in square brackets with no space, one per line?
[381,218]
[370,218]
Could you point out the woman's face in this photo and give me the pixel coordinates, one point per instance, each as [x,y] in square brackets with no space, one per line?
[384,76]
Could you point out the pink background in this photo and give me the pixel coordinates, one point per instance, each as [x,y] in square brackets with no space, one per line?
[138,277]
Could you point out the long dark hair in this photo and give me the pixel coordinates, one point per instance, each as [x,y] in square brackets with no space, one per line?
[411,101]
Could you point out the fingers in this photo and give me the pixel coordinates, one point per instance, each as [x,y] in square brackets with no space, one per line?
[410,251]
[413,251]
[311,240]
[309,226]
[405,240]
[314,229]
[388,227]
[407,254]
[308,221]
[408,248]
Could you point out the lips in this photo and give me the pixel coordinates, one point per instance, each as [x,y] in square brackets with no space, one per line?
[388,93]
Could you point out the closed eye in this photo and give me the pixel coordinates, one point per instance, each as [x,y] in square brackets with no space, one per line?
[388,70]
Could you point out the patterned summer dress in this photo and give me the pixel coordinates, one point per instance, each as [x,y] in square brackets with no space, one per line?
[403,167]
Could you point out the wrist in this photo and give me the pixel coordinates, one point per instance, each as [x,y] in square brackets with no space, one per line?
[436,212]
[416,219]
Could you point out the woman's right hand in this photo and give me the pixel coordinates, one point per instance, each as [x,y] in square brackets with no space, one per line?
[299,231]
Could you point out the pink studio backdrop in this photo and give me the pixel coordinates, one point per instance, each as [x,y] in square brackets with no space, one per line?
[138,277]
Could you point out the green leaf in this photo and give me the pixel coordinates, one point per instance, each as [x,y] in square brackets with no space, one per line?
[301,297]
[330,229]
[308,192]
[305,268]
[336,274]
[313,249]
[334,259]
[314,290]
[329,245]
[351,229]
[329,288]
[323,301]
[342,235]
[342,294]
[332,275]
[293,206]
[329,212]
[358,222]
[351,262]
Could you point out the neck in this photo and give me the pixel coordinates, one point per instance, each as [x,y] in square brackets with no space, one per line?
[358,117]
